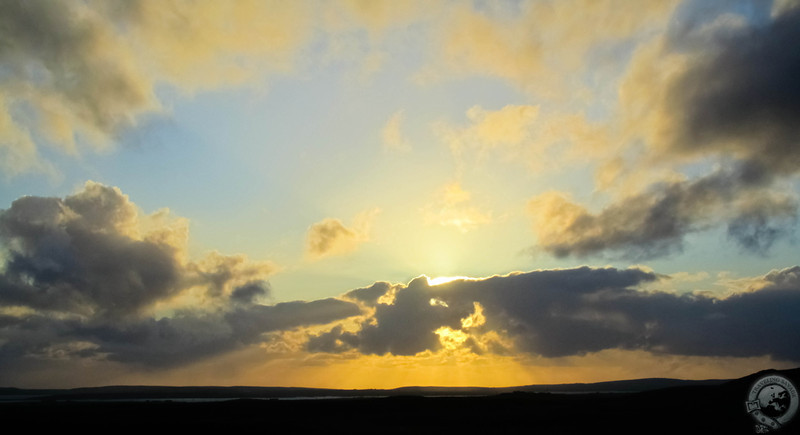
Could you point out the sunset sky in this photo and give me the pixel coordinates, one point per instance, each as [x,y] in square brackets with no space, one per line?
[373,194]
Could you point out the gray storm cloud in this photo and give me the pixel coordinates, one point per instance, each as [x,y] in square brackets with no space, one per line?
[556,313]
[84,277]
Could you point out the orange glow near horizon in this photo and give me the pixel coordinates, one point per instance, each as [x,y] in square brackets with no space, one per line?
[453,368]
[446,368]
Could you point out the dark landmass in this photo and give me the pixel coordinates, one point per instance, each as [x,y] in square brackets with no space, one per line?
[635,406]
[162,393]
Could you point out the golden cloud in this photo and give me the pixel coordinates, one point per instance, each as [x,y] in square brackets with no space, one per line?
[331,237]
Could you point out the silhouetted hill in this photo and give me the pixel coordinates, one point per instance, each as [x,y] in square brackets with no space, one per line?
[122,392]
[636,406]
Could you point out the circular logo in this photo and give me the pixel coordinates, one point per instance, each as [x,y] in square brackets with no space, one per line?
[772,401]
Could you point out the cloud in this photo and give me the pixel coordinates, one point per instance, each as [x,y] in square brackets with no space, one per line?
[740,96]
[572,312]
[538,46]
[543,139]
[62,65]
[190,336]
[331,237]
[716,86]
[655,222]
[91,277]
[77,74]
[83,254]
[508,127]
[452,208]
[392,135]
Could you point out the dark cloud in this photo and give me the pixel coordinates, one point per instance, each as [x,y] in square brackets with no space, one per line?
[735,101]
[185,337]
[370,295]
[515,304]
[81,278]
[741,95]
[654,223]
[257,319]
[334,341]
[571,312]
[248,292]
[191,335]
[78,255]
[757,230]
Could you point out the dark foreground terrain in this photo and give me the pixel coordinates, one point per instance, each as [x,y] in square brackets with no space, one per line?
[710,407]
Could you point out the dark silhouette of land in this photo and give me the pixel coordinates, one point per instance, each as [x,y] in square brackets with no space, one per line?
[634,406]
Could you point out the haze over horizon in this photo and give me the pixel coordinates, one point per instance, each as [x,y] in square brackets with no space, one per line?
[351,194]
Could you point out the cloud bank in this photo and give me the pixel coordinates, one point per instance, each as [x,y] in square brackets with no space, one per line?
[556,313]
[89,276]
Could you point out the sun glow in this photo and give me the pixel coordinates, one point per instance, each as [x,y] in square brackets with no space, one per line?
[444,279]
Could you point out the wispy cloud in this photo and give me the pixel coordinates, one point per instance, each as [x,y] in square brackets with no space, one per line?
[392,134]
[453,206]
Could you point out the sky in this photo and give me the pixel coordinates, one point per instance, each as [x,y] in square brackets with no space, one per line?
[375,194]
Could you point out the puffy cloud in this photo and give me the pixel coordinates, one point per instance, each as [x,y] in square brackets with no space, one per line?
[83,254]
[91,277]
[556,313]
[654,223]
[331,237]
